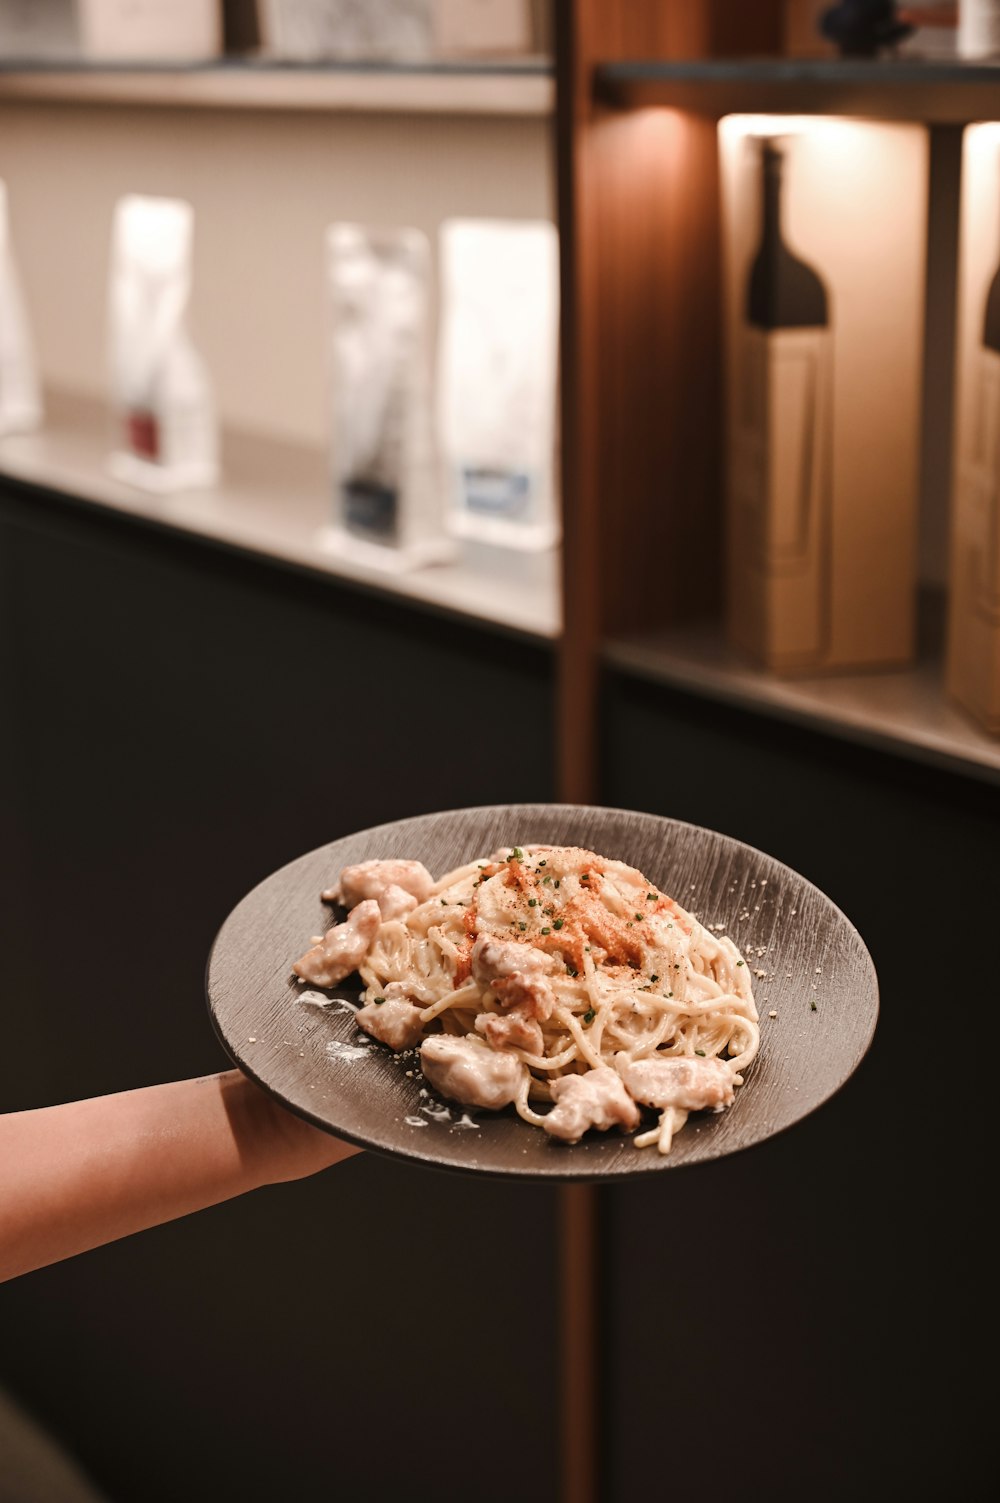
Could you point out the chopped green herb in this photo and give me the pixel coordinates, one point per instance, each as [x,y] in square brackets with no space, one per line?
[532,902]
[571,972]
[557,923]
[587,948]
[589,1015]
[542,863]
[654,978]
[517,854]
[546,931]
[812,1005]
[522,926]
[548,880]
[378,1001]
[651,897]
[637,916]
[700,1053]
[740,962]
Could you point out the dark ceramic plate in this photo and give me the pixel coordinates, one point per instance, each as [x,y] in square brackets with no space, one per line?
[809,966]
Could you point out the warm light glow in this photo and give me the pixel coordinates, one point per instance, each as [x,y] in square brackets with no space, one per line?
[735,126]
[987,135]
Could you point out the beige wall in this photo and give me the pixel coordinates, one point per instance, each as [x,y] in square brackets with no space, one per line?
[263,186]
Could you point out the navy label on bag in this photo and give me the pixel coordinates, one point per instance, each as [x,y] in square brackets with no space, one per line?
[370,510]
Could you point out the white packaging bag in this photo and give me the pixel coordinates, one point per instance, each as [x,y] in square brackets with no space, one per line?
[400,31]
[388,508]
[164,414]
[176,30]
[20,396]
[498,365]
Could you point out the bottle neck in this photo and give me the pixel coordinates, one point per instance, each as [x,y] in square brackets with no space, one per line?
[772,196]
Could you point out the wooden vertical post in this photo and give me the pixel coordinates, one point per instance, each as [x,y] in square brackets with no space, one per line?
[641,438]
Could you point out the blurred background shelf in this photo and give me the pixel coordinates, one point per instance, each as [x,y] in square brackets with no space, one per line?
[901,89]
[274,501]
[525,87]
[904,713]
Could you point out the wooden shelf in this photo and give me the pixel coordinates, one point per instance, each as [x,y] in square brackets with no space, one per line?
[511,88]
[274,502]
[900,89]
[903,712]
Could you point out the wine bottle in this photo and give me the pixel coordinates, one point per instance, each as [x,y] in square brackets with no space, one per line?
[782,446]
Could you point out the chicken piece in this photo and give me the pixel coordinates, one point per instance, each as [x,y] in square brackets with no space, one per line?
[342,948]
[597,1099]
[512,1030]
[515,973]
[395,1022]
[372,879]
[395,902]
[691,1085]
[469,1072]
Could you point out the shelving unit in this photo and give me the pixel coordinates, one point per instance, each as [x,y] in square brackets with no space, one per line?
[515,88]
[904,713]
[642,277]
[937,93]
[873,785]
[273,502]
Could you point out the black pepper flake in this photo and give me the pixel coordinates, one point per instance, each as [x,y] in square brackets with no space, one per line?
[542,863]
[589,1015]
[654,978]
[739,962]
[522,926]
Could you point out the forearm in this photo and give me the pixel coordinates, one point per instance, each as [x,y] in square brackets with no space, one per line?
[73,1177]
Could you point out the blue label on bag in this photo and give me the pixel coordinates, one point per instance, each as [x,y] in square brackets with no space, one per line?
[496,493]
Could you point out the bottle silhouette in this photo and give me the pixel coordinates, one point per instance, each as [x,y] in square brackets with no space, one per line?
[783,292]
[782,446]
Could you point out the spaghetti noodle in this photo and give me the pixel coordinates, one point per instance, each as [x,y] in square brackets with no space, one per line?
[547,975]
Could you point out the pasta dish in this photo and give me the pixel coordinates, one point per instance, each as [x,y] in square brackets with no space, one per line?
[548,978]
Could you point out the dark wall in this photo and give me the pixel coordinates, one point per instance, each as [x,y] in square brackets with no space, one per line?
[800,1320]
[175,722]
